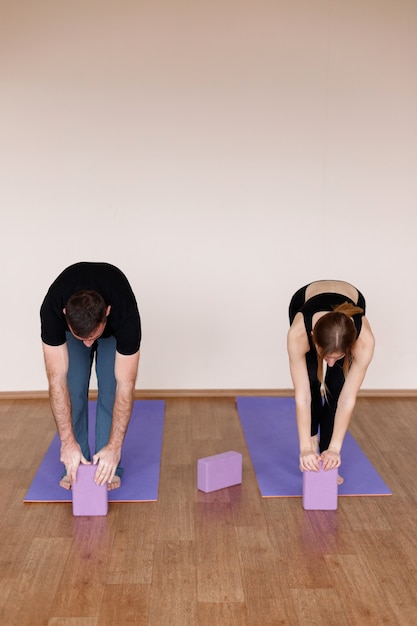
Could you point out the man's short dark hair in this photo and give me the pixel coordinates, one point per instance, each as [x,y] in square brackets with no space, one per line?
[85,311]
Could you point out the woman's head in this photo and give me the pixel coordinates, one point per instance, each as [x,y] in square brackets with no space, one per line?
[334,335]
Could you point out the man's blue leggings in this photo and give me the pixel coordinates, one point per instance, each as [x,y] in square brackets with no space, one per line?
[79,372]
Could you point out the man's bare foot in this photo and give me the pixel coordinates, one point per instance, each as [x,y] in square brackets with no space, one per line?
[340,480]
[114,483]
[65,482]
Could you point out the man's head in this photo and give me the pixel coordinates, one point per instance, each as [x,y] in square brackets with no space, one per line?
[86,315]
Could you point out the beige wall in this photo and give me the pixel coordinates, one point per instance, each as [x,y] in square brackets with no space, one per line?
[222,154]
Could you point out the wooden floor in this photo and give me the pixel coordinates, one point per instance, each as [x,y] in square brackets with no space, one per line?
[226,558]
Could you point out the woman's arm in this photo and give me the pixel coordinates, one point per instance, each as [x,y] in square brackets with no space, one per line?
[297,346]
[362,354]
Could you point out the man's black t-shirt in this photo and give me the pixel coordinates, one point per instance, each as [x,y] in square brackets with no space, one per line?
[123,321]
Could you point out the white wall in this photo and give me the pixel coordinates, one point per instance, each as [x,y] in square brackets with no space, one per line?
[222,154]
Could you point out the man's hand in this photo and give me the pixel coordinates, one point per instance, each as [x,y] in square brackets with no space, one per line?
[107,459]
[309,460]
[71,456]
[330,459]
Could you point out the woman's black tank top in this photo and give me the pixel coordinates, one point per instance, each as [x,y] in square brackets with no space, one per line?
[327,302]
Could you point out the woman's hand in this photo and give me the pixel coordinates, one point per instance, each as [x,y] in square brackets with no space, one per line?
[330,459]
[309,460]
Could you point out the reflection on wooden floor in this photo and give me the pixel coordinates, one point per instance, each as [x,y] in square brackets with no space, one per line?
[224,558]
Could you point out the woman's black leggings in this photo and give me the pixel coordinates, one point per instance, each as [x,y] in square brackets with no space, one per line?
[323,409]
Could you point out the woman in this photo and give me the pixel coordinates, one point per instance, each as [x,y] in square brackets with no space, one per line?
[330,345]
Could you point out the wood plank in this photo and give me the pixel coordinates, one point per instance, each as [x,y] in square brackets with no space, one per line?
[217,558]
[226,613]
[31,595]
[73,621]
[264,577]
[131,554]
[82,585]
[357,582]
[319,606]
[125,604]
[174,585]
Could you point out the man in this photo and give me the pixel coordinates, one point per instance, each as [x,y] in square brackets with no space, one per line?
[90,311]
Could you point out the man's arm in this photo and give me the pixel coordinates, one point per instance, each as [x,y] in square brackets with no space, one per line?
[56,364]
[125,369]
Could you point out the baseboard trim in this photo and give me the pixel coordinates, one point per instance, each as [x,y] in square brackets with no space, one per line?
[156,394]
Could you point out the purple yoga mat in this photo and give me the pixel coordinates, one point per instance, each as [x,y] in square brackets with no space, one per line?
[270,431]
[141,457]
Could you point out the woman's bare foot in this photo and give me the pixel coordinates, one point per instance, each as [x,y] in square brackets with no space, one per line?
[114,484]
[340,480]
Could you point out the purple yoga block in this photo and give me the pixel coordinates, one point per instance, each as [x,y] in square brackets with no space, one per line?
[219,471]
[320,490]
[87,497]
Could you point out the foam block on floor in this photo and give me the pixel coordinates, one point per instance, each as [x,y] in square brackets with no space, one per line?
[320,490]
[219,471]
[87,497]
